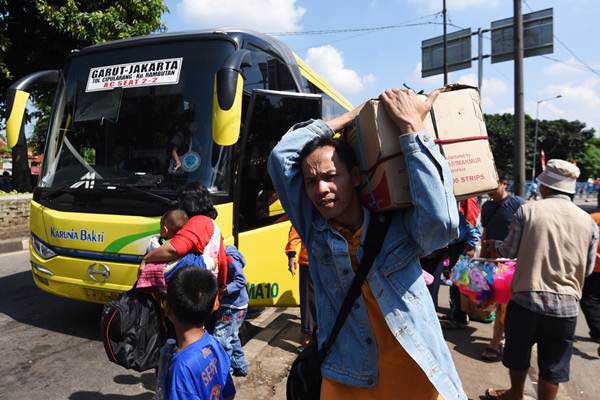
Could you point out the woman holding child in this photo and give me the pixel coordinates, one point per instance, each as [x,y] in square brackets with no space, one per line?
[199,235]
[197,242]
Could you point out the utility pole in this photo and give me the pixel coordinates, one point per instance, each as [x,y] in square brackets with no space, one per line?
[479,59]
[519,157]
[445,47]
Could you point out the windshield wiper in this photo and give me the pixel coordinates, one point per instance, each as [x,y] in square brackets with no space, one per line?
[162,199]
[51,192]
[104,185]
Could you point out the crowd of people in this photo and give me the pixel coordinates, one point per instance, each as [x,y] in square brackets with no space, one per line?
[393,328]
[374,316]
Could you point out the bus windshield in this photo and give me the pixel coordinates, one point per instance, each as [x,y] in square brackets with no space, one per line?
[137,118]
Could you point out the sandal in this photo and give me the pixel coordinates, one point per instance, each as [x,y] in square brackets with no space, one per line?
[495,394]
[492,355]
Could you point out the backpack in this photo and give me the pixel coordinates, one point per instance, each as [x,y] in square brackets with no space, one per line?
[132,331]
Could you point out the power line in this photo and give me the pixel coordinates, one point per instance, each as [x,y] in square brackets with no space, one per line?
[498,71]
[363,29]
[581,67]
[592,70]
[573,65]
[337,40]
[563,44]
[348,30]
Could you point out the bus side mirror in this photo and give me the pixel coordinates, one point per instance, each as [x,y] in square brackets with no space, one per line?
[16,101]
[227,98]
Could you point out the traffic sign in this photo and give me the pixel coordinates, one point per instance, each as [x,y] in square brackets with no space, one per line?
[458,53]
[538,37]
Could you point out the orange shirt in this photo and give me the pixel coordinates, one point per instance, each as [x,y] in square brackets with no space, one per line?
[596,217]
[292,245]
[399,375]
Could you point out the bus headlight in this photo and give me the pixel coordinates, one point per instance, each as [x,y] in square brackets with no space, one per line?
[40,248]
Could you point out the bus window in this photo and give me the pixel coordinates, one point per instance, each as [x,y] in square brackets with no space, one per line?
[267,72]
[256,77]
[272,115]
[331,108]
[285,81]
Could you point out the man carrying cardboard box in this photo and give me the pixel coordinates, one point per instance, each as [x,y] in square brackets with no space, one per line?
[391,343]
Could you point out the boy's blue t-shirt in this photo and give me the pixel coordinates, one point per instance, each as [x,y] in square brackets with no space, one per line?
[200,371]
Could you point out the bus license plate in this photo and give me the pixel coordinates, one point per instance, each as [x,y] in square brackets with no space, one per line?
[100,295]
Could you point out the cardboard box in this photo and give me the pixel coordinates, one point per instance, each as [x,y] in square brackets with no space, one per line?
[456,122]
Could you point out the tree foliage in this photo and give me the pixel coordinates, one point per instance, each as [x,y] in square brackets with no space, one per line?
[39,34]
[589,161]
[568,140]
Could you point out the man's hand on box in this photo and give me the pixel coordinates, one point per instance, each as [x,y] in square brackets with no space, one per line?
[406,109]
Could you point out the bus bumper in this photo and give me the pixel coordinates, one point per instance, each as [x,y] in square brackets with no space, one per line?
[68,277]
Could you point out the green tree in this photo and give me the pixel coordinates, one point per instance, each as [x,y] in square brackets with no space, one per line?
[39,34]
[589,161]
[558,138]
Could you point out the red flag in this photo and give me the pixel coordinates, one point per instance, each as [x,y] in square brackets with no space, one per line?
[470,209]
[543,160]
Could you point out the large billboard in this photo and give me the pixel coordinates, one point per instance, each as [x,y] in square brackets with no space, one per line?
[538,37]
[458,53]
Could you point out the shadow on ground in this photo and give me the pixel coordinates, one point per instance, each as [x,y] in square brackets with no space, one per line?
[147,379]
[465,342]
[22,301]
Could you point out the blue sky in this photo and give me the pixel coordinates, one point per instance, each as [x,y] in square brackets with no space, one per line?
[361,65]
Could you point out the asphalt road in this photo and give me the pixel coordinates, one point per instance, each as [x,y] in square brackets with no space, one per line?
[51,349]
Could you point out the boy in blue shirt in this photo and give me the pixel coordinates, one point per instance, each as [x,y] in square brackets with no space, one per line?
[200,367]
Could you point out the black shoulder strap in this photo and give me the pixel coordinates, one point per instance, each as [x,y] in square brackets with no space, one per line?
[378,225]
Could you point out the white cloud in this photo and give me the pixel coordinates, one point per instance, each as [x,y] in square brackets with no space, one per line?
[580,100]
[369,79]
[570,67]
[328,62]
[493,90]
[436,5]
[260,15]
[416,73]
[429,83]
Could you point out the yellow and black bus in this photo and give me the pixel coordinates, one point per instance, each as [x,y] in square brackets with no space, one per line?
[132,122]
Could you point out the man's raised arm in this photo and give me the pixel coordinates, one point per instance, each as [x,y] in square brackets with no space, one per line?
[433,219]
[286,172]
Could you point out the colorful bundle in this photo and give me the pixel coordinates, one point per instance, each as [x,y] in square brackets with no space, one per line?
[484,281]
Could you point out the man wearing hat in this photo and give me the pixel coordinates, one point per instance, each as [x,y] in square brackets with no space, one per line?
[555,244]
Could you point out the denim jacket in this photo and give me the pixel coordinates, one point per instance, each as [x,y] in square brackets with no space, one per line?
[395,277]
[236,295]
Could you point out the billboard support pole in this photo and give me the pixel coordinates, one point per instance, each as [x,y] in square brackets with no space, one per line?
[445,46]
[479,59]
[519,133]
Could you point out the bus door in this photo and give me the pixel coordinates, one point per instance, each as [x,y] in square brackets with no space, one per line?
[260,224]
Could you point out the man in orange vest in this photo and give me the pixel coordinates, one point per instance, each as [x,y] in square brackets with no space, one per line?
[307,292]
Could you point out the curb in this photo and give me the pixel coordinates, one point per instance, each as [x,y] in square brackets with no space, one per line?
[272,323]
[13,245]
